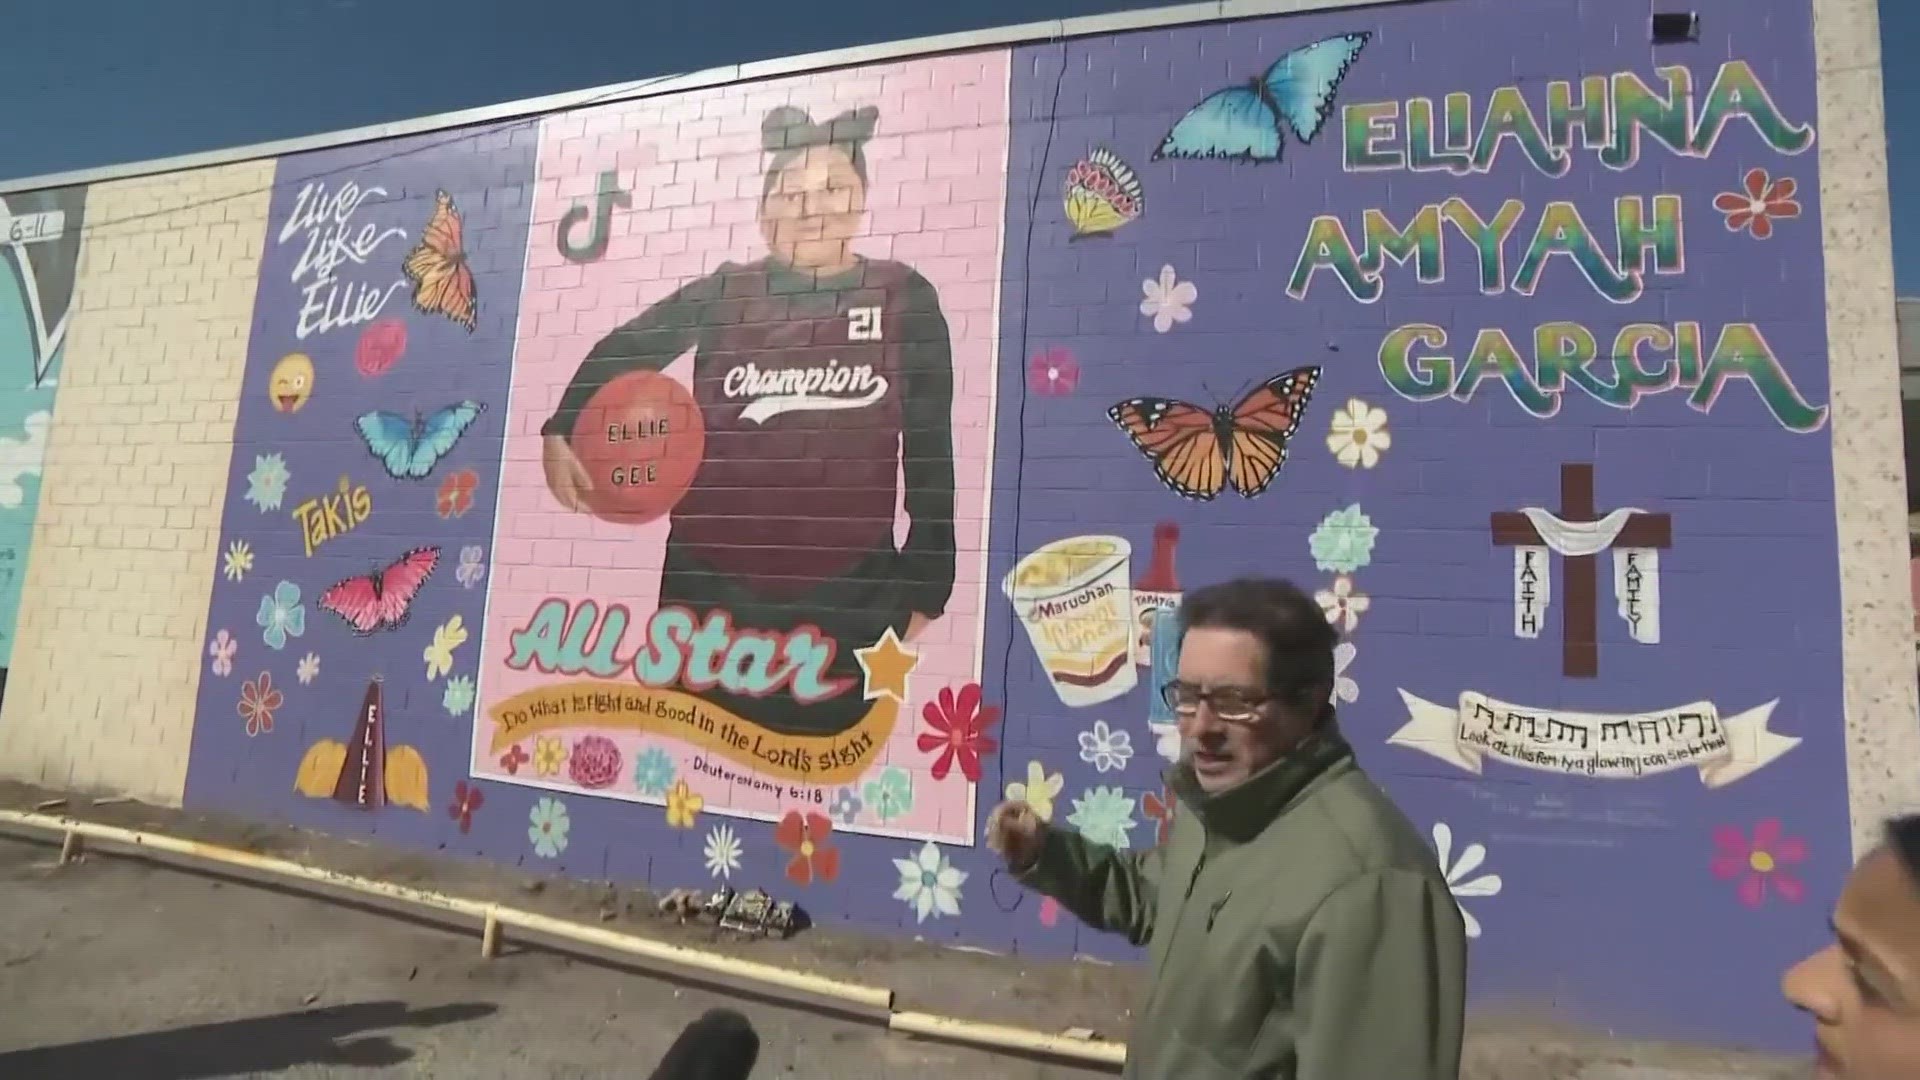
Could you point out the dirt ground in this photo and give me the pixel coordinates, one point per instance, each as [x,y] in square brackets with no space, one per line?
[119,968]
[114,947]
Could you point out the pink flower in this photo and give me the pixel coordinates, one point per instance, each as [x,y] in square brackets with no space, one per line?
[1053,372]
[595,762]
[1049,911]
[222,648]
[1761,863]
[380,345]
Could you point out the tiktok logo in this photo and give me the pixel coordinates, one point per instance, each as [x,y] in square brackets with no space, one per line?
[609,196]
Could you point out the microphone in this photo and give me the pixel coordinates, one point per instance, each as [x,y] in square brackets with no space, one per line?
[720,1045]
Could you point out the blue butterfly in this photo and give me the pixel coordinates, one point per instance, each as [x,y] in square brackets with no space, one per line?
[411,448]
[1244,121]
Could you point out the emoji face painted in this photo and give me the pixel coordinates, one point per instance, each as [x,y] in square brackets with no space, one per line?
[291,382]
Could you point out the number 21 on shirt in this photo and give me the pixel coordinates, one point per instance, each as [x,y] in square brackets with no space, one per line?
[863,324]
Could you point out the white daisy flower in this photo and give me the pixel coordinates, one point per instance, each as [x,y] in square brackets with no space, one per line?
[1359,435]
[929,883]
[722,851]
[1460,881]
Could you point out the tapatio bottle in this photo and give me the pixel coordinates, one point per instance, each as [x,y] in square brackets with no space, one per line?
[1158,588]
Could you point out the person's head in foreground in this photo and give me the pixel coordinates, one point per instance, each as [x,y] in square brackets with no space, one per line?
[1863,990]
[1255,677]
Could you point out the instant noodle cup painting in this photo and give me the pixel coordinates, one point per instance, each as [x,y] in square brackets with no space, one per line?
[1075,598]
[641,439]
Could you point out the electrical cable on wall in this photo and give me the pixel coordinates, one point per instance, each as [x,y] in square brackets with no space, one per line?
[1020,417]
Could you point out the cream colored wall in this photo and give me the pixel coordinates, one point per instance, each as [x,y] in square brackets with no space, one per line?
[107,661]
[1883,735]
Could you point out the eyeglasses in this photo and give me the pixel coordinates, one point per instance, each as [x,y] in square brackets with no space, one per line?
[1228,703]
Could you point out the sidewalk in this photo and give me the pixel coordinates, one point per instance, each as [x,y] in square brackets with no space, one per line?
[1043,995]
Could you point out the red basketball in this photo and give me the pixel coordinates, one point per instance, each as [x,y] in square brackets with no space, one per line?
[641,439]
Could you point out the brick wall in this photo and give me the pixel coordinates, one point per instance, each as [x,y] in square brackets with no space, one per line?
[101,692]
[257,386]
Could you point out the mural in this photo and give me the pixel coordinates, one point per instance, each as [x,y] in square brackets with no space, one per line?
[1441,343]
[360,501]
[40,233]
[760,425]
[754,484]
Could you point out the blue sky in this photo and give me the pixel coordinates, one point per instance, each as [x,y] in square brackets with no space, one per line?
[90,82]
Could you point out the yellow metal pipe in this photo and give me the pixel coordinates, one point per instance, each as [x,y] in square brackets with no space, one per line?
[493,918]
[1003,1037]
[872,998]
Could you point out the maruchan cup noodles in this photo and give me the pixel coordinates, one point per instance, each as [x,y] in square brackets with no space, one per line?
[1075,600]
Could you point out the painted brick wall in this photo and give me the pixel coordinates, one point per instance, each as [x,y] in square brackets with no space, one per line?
[101,694]
[358,574]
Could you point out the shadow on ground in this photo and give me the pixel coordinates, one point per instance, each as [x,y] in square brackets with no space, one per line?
[325,1036]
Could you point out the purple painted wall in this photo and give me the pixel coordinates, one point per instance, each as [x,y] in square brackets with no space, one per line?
[1643,832]
[1607,904]
[341,225]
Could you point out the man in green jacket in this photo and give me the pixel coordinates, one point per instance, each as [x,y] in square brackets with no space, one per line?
[1299,928]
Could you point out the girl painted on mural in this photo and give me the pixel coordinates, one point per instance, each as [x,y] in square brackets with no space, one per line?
[825,379]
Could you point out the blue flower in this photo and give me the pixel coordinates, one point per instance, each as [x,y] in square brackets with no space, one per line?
[891,795]
[845,806]
[653,772]
[1104,815]
[457,697]
[547,827]
[1344,541]
[281,615]
[267,483]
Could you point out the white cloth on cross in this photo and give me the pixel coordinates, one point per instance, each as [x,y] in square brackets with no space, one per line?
[1636,571]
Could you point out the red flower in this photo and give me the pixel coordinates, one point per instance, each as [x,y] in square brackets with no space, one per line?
[456,493]
[466,799]
[1054,371]
[1759,864]
[515,757]
[1159,807]
[959,731]
[1756,208]
[806,836]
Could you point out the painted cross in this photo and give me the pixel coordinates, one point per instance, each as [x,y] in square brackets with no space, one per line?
[1578,535]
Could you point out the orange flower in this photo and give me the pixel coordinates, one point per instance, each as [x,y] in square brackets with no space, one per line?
[259,698]
[1756,208]
[456,493]
[806,836]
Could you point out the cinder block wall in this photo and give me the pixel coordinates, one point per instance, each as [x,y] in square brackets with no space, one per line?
[112,625]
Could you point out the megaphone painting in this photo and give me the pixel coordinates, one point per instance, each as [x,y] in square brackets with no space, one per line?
[39,253]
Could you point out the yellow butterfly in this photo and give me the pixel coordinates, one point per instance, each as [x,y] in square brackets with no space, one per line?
[1102,194]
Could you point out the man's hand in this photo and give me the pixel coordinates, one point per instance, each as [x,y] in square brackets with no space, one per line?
[1017,833]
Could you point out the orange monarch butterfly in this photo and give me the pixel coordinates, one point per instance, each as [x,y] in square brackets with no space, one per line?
[437,266]
[1196,452]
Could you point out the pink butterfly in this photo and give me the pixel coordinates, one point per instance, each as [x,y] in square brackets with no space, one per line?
[382,601]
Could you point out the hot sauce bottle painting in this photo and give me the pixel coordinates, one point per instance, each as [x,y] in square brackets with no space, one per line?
[1156,593]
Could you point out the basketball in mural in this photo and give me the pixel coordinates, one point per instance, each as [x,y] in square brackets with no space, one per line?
[640,438]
